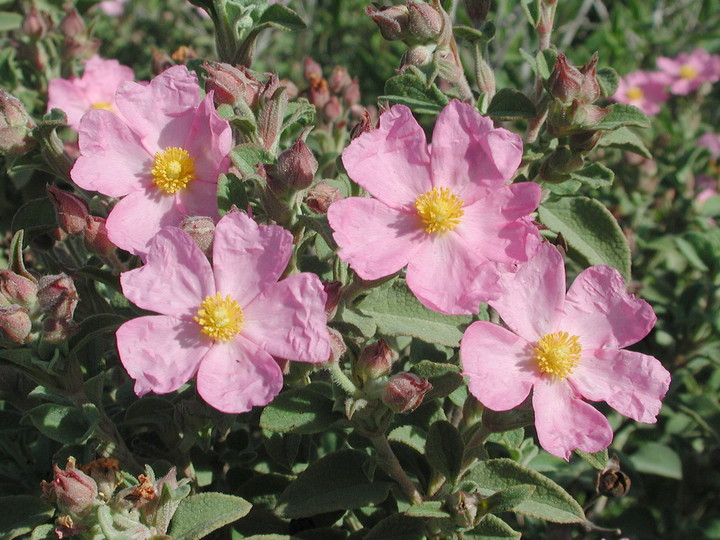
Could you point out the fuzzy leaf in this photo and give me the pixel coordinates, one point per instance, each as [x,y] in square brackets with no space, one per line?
[444,449]
[624,139]
[598,460]
[35,217]
[398,527]
[67,425]
[302,410]
[282,17]
[607,79]
[623,115]
[427,509]
[507,499]
[199,515]
[445,378]
[591,231]
[469,33]
[493,528]
[408,89]
[246,157]
[25,513]
[10,21]
[509,103]
[594,175]
[335,482]
[231,190]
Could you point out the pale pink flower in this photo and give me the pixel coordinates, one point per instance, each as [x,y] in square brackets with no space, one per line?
[446,212]
[112,8]
[643,89]
[565,348]
[94,90]
[687,72]
[711,141]
[163,151]
[224,323]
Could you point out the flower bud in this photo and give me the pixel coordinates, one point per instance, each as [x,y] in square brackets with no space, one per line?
[272,116]
[35,24]
[321,196]
[417,55]
[96,236]
[365,125]
[392,21]
[105,473]
[290,88]
[375,361]
[319,93]
[18,289]
[76,492]
[79,48]
[590,89]
[297,166]
[351,94]
[463,507]
[15,323]
[231,85]
[425,23]
[202,230]
[312,70]
[337,345]
[584,141]
[70,209]
[612,482]
[404,392]
[57,296]
[565,80]
[339,80]
[333,290]
[332,109]
[72,24]
[561,162]
[15,126]
[477,10]
[55,331]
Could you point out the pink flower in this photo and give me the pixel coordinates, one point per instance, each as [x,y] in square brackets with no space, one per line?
[566,347]
[94,90]
[445,212]
[711,141]
[222,323]
[645,90]
[113,8]
[688,72]
[163,151]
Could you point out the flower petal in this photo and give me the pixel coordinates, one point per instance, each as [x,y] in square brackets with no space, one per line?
[498,364]
[288,320]
[247,257]
[161,353]
[209,141]
[564,422]
[391,162]
[630,382]
[175,279]
[600,311]
[198,199]
[237,375]
[66,95]
[375,239]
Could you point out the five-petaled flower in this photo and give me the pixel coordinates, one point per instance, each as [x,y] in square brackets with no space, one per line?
[643,89]
[446,211]
[222,323]
[566,347]
[687,72]
[163,151]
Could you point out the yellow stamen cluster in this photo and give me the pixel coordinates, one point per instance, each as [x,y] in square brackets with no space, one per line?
[104,105]
[635,93]
[688,72]
[220,318]
[558,354]
[439,209]
[173,169]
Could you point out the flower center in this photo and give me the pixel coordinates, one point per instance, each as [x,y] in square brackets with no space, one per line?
[105,105]
[220,318]
[439,209]
[558,354]
[688,72]
[173,169]
[635,93]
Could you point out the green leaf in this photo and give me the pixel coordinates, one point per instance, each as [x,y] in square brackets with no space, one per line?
[598,460]
[510,104]
[445,378]
[302,410]
[199,515]
[65,424]
[283,448]
[231,190]
[409,435]
[444,449]
[408,89]
[624,139]
[94,326]
[320,225]
[246,157]
[10,21]
[493,528]
[282,17]
[335,482]
[607,79]
[35,217]
[362,323]
[427,509]
[594,175]
[549,501]
[22,513]
[623,115]
[591,231]
[508,499]
[469,33]
[658,459]
[398,527]
[398,313]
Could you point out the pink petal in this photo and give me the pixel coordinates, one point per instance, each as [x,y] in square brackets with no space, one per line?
[102,78]
[391,162]
[209,141]
[137,218]
[113,162]
[565,423]
[599,310]
[175,279]
[65,95]
[247,257]
[198,199]
[160,353]
[375,239]
[532,298]
[237,375]
[288,320]
[469,155]
[630,382]
[499,365]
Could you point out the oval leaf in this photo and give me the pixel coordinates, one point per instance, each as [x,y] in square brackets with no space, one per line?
[303,410]
[199,515]
[444,449]
[26,512]
[65,424]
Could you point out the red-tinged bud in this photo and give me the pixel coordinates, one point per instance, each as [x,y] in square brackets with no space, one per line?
[71,210]
[96,237]
[392,21]
[202,230]
[426,24]
[333,290]
[365,125]
[337,346]
[57,296]
[319,93]
[271,119]
[79,48]
[586,116]
[72,24]
[351,95]
[15,324]
[106,474]
[56,331]
[339,80]
[477,10]
[417,55]
[375,361]
[297,166]
[321,196]
[75,491]
[584,141]
[332,109]
[232,85]
[35,24]
[15,126]
[404,392]
[590,89]
[270,87]
[565,80]
[312,70]
[18,289]
[464,508]
[290,88]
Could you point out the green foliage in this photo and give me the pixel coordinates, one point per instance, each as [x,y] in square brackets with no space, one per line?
[27,512]
[199,515]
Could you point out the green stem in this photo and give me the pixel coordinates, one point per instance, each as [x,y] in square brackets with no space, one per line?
[341,379]
[388,462]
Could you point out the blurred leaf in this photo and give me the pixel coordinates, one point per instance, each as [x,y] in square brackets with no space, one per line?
[283,448]
[336,481]
[492,528]
[594,175]
[625,139]
[445,378]
[199,515]
[623,115]
[398,527]
[67,425]
[282,17]
[656,458]
[469,33]
[427,509]
[22,513]
[10,21]
[444,449]
[510,104]
[302,410]
[607,79]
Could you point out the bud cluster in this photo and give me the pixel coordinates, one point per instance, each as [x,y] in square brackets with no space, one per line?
[335,97]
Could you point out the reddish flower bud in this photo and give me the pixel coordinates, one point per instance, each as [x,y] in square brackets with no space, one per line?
[290,88]
[18,289]
[71,210]
[417,55]
[337,345]
[232,85]
[590,89]
[392,21]
[332,109]
[202,230]
[96,236]
[15,323]
[271,118]
[72,24]
[426,24]
[351,95]
[76,492]
[57,330]
[319,93]
[312,70]
[57,296]
[565,80]
[35,24]
[321,196]
[333,290]
[15,126]
[404,392]
[365,125]
[339,79]
[375,361]
[79,48]
[297,166]
[477,10]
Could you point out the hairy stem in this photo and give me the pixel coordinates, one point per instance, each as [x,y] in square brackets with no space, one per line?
[388,462]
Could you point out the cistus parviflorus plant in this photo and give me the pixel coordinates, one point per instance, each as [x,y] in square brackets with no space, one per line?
[338,270]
